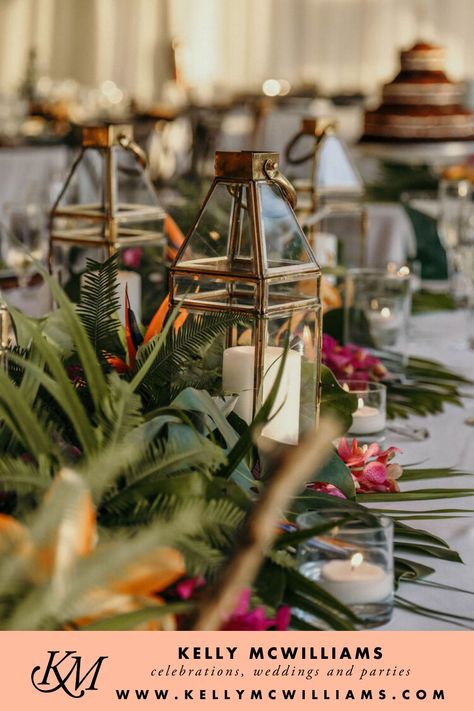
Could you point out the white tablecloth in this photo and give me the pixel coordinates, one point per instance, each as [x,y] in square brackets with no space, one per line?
[439,336]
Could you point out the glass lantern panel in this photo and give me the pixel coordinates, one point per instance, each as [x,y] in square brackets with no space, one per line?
[132,185]
[222,239]
[215,291]
[228,366]
[298,393]
[141,267]
[284,293]
[285,242]
[207,369]
[346,223]
[335,170]
[85,188]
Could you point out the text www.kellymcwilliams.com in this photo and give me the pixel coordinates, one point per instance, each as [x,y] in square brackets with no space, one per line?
[280,694]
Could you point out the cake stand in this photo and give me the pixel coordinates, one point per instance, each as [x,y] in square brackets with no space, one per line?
[436,154]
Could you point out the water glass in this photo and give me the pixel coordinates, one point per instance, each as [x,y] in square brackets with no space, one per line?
[354,562]
[377,308]
[368,421]
[25,239]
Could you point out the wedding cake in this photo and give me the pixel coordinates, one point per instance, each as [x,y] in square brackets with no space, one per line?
[421,103]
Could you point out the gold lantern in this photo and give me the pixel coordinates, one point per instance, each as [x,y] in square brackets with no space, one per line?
[331,195]
[108,205]
[247,258]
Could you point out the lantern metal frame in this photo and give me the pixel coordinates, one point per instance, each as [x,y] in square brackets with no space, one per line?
[324,202]
[249,169]
[113,215]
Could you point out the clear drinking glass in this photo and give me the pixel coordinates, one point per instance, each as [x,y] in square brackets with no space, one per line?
[368,421]
[377,308]
[24,239]
[454,198]
[354,562]
[456,230]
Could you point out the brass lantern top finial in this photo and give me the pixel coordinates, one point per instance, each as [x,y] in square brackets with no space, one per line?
[254,165]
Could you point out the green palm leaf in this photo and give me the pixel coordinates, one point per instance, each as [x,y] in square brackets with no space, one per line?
[57,384]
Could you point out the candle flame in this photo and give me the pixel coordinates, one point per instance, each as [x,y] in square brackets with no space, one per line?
[385,312]
[356,560]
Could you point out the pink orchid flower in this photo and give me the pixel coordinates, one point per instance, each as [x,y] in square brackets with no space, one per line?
[350,362]
[369,466]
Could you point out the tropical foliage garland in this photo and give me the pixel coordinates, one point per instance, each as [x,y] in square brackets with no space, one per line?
[123,490]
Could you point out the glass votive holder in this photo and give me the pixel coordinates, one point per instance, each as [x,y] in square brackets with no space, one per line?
[455,206]
[377,308]
[368,421]
[353,562]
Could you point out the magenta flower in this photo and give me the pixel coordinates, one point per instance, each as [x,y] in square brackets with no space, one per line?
[244,619]
[350,362]
[186,587]
[132,257]
[369,466]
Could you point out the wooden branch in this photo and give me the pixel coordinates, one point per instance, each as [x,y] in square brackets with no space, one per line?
[295,467]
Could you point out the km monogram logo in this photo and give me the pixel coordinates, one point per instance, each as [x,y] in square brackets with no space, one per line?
[65,673]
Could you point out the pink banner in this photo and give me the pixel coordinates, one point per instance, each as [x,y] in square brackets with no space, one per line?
[110,670]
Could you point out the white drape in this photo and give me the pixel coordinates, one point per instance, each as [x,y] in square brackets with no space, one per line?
[339,44]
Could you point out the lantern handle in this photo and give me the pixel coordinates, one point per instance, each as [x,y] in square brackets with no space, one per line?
[130,145]
[321,128]
[272,171]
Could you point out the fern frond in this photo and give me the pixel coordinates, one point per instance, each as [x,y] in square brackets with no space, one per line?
[99,302]
[121,411]
[182,358]
[22,477]
[164,469]
[201,558]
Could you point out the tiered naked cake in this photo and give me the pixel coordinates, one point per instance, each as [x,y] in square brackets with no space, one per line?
[421,103]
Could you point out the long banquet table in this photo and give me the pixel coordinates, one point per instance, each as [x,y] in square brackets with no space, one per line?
[451,443]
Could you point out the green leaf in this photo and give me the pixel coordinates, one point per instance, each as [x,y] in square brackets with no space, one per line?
[148,353]
[201,401]
[402,530]
[59,386]
[23,421]
[416,495]
[270,584]
[335,400]
[431,551]
[337,473]
[99,303]
[292,539]
[132,620]
[432,473]
[410,570]
[319,610]
[94,376]
[458,620]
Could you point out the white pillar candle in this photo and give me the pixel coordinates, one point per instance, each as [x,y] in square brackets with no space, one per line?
[355,581]
[134,284]
[238,377]
[367,420]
